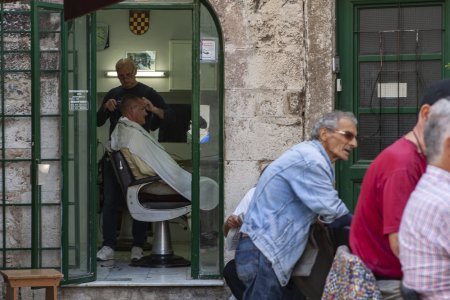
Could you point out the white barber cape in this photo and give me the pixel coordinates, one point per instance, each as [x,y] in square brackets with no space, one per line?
[131,135]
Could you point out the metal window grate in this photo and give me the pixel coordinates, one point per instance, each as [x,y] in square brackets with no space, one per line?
[399,55]
[405,30]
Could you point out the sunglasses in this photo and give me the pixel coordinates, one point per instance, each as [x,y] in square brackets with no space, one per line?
[347,134]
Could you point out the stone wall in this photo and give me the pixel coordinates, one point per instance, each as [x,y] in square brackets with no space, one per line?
[278,80]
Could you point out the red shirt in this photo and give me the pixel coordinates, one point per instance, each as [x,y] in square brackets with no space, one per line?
[386,187]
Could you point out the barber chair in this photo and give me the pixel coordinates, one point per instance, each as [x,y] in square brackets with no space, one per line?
[147,203]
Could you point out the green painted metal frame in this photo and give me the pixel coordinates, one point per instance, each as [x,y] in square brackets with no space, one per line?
[36,203]
[92,163]
[195,224]
[196,59]
[345,43]
[4,160]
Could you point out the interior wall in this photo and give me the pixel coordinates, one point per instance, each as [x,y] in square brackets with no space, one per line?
[164,26]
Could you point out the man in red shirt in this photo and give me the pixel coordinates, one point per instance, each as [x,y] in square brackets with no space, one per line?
[385,189]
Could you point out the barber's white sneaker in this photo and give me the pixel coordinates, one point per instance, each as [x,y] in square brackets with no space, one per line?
[105,253]
[136,253]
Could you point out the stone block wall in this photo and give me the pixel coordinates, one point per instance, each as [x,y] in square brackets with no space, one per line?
[278,80]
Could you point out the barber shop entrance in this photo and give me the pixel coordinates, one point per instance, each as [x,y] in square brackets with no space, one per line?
[177,52]
[54,76]
[387,53]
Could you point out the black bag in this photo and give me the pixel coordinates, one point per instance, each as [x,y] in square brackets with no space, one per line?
[316,260]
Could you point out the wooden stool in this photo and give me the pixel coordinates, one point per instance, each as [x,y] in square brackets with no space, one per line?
[48,278]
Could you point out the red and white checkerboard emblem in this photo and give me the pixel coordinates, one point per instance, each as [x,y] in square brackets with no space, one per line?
[139,21]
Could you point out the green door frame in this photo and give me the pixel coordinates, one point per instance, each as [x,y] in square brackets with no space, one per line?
[349,174]
[72,215]
[195,7]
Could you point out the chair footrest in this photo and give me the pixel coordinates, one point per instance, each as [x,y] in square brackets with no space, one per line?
[163,205]
[161,261]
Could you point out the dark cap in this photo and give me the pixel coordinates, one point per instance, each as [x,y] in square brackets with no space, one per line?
[436,91]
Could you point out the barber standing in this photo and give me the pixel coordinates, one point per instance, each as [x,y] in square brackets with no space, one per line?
[158,113]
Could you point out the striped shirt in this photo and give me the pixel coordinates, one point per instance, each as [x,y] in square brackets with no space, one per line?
[425,236]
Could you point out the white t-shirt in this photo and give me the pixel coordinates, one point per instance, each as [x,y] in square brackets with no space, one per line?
[244,203]
[233,234]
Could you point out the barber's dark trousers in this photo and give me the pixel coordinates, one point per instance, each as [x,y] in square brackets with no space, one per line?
[112,202]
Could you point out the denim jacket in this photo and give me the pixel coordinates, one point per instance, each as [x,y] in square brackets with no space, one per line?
[292,192]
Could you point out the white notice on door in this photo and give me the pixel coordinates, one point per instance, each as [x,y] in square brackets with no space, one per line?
[392,90]
[78,100]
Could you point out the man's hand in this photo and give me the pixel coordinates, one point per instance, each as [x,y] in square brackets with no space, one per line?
[111,105]
[233,221]
[149,105]
[153,109]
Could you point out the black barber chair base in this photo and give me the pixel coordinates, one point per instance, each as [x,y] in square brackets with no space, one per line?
[161,261]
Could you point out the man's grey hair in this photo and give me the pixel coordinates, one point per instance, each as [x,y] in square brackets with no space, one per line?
[437,129]
[330,120]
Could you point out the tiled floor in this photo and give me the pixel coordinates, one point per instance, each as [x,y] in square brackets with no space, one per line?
[120,273]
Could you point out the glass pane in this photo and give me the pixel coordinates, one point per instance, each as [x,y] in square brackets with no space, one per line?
[50,60]
[50,88]
[78,173]
[18,227]
[50,41]
[50,137]
[51,190]
[49,20]
[17,185]
[16,22]
[407,30]
[209,145]
[17,87]
[396,84]
[19,5]
[17,41]
[17,138]
[17,61]
[51,228]
[18,259]
[51,259]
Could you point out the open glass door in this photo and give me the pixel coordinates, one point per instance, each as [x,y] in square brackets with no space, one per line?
[210,137]
[79,193]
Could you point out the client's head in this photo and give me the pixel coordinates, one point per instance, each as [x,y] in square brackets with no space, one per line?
[133,108]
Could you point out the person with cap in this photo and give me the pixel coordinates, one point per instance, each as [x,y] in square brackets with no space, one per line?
[386,187]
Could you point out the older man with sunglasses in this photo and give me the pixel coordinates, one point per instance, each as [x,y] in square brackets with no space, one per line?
[385,190]
[293,192]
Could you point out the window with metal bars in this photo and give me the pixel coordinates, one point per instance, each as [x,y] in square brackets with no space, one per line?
[399,54]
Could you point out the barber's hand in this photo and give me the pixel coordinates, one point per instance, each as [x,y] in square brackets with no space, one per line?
[149,105]
[111,105]
[234,221]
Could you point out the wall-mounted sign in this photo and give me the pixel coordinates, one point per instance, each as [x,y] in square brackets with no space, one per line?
[78,100]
